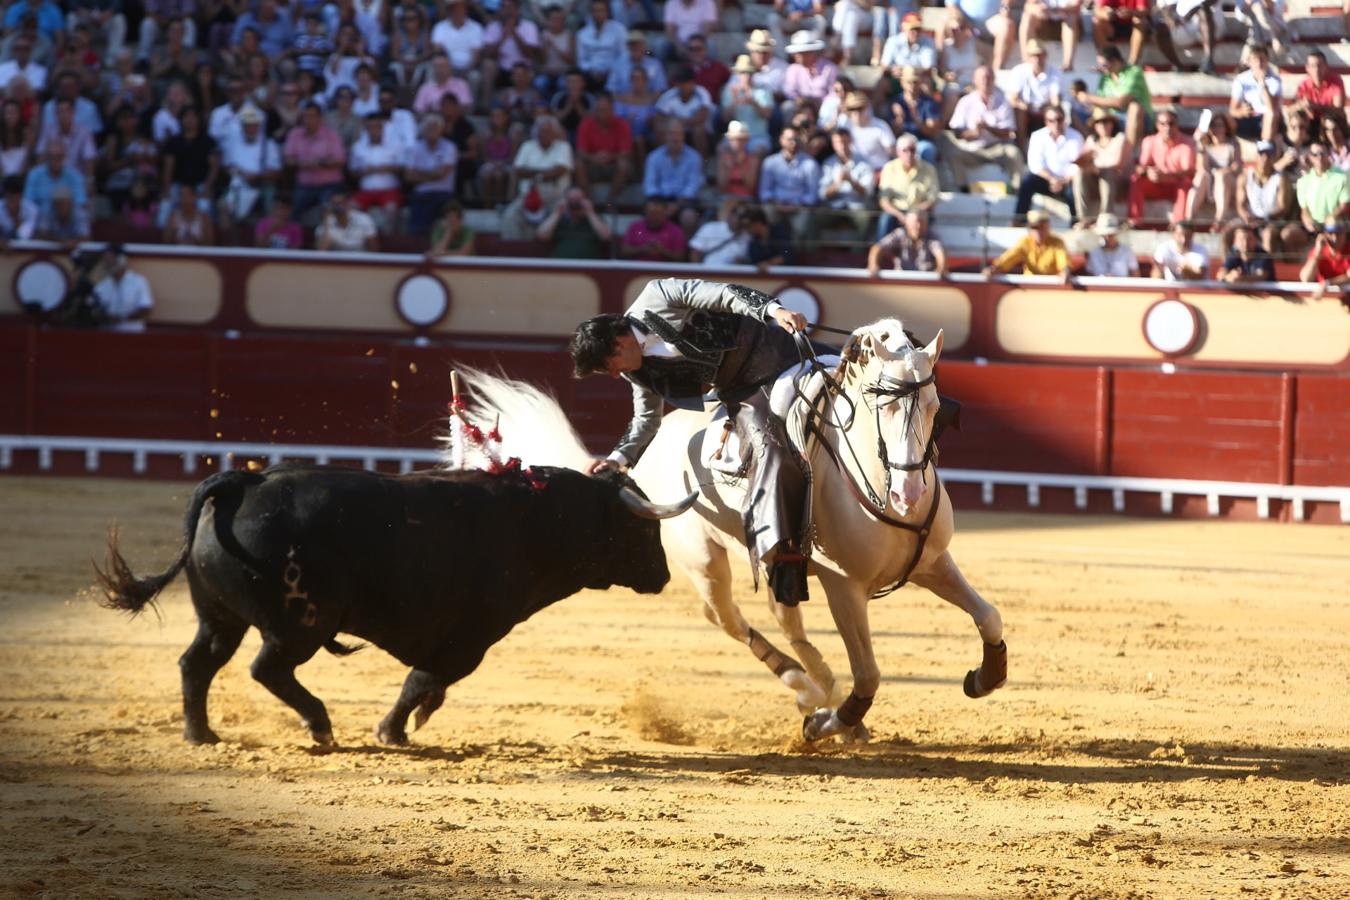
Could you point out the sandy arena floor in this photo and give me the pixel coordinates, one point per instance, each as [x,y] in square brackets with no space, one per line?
[1175,725]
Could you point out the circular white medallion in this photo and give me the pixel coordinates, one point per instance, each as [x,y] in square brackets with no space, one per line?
[800,300]
[1172,327]
[42,282]
[422,300]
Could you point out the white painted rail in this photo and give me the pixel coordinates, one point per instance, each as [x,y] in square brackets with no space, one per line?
[225,453]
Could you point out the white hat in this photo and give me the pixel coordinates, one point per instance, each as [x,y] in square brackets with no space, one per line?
[736,129]
[1107,224]
[804,42]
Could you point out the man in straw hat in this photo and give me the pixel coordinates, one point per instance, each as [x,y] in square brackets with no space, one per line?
[1103,167]
[1112,257]
[1033,87]
[770,70]
[796,16]
[811,75]
[620,78]
[749,107]
[873,140]
[1038,253]
[982,130]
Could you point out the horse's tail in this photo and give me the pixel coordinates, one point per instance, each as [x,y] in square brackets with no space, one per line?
[122,589]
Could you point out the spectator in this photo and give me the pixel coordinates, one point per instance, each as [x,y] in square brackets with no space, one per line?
[1336,136]
[1033,89]
[186,222]
[1039,253]
[277,230]
[748,105]
[1246,261]
[140,210]
[831,113]
[410,48]
[345,228]
[450,236]
[788,184]
[571,104]
[176,58]
[915,113]
[1328,262]
[508,40]
[907,184]
[18,217]
[770,245]
[366,94]
[873,140]
[887,19]
[770,70]
[574,229]
[1102,169]
[311,46]
[314,151]
[51,23]
[122,298]
[376,161]
[600,44]
[1040,12]
[1218,162]
[1191,18]
[402,123]
[65,221]
[909,248]
[1114,20]
[16,139]
[604,148]
[1323,194]
[1322,91]
[22,65]
[1052,157]
[792,17]
[1255,103]
[253,163]
[709,73]
[1298,140]
[737,165]
[273,25]
[674,169]
[1263,197]
[811,75]
[990,20]
[722,241]
[543,172]
[638,109]
[984,132]
[342,118]
[190,158]
[159,16]
[68,88]
[685,18]
[1123,90]
[442,81]
[1265,23]
[429,168]
[44,180]
[1112,258]
[165,122]
[960,59]
[654,238]
[499,149]
[79,143]
[620,78]
[690,106]
[1180,258]
[521,100]
[910,49]
[223,123]
[846,185]
[560,55]
[462,40]
[1165,170]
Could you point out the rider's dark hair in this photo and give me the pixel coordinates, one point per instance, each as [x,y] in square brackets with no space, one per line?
[594,343]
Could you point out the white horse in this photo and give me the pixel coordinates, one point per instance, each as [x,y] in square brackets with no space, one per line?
[875,418]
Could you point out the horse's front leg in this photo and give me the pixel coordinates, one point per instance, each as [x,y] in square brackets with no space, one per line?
[944,578]
[848,606]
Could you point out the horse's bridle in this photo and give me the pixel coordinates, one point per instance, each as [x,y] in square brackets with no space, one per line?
[886,390]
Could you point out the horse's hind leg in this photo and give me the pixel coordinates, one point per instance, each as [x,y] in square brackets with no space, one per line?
[274,669]
[944,578]
[213,646]
[790,623]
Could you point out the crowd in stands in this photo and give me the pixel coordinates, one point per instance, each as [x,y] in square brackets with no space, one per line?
[362,124]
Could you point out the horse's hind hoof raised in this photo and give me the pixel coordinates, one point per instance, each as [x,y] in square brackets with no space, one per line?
[992,673]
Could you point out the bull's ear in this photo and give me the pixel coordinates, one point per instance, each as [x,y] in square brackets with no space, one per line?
[934,349]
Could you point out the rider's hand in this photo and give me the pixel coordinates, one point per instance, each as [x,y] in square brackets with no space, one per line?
[791,321]
[600,464]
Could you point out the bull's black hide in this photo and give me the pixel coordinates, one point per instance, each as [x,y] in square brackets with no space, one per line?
[432,567]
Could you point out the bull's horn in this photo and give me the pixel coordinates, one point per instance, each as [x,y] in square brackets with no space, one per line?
[645,508]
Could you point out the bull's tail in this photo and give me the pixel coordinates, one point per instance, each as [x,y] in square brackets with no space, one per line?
[122,590]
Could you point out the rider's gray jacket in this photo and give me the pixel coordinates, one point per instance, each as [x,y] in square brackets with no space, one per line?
[720,333]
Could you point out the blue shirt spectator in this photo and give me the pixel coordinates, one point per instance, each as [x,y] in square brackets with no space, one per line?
[272,24]
[922,110]
[50,20]
[676,172]
[620,80]
[789,178]
[43,180]
[600,43]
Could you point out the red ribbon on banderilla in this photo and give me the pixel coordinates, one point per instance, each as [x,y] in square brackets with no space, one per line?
[472,448]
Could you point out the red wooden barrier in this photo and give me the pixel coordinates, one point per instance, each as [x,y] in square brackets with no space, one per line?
[1322,430]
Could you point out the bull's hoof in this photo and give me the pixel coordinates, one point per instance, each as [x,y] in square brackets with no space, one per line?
[323,739]
[200,736]
[390,736]
[992,673]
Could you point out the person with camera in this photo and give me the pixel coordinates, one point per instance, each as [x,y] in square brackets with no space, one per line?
[122,300]
[1328,263]
[574,228]
[344,227]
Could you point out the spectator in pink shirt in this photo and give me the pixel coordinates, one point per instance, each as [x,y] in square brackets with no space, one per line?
[654,238]
[315,152]
[507,40]
[811,76]
[277,231]
[442,81]
[1165,171]
[686,18]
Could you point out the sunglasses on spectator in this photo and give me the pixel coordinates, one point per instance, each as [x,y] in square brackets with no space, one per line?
[1317,153]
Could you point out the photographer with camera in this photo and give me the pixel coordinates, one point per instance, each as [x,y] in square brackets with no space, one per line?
[574,229]
[122,300]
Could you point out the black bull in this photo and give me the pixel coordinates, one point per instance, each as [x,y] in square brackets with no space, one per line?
[433,568]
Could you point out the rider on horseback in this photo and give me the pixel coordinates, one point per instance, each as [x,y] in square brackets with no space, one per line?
[682,337]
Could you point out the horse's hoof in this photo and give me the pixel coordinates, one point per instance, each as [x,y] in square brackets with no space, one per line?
[858,734]
[992,673]
[814,726]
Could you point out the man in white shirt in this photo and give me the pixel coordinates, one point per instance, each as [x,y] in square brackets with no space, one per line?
[1033,87]
[402,124]
[1255,101]
[543,168]
[344,227]
[376,159]
[1052,156]
[873,140]
[1112,258]
[723,241]
[1181,259]
[601,43]
[122,299]
[253,161]
[982,130]
[23,64]
[224,123]
[462,40]
[690,105]
[846,185]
